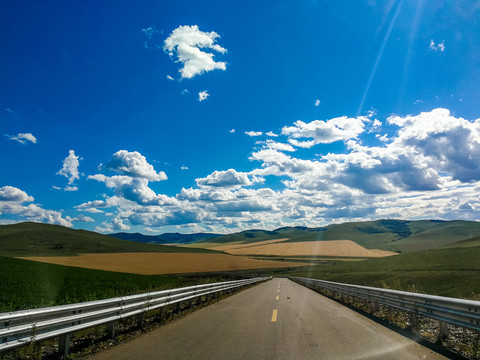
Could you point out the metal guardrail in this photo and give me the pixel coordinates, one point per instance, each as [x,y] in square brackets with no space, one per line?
[460,312]
[21,328]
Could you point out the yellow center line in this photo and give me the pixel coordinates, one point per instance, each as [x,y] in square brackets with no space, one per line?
[276,297]
[274,315]
[278,290]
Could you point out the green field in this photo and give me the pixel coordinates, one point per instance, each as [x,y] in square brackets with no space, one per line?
[392,235]
[28,284]
[453,272]
[35,239]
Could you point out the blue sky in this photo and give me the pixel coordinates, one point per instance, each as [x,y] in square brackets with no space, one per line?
[222,116]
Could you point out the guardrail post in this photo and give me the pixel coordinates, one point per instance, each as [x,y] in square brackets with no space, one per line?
[140,320]
[443,334]
[111,330]
[64,345]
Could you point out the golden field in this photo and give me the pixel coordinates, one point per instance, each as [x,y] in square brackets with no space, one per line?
[162,263]
[279,247]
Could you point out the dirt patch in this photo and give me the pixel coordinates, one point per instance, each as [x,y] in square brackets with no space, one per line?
[343,248]
[162,263]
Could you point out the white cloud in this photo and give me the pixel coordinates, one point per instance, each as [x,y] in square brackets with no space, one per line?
[271,134]
[12,202]
[342,128]
[170,78]
[183,167]
[270,144]
[133,164]
[302,144]
[186,42]
[317,102]
[226,178]
[23,138]
[132,183]
[437,47]
[429,167]
[70,169]
[71,188]
[203,95]
[232,131]
[13,194]
[115,225]
[254,133]
[80,218]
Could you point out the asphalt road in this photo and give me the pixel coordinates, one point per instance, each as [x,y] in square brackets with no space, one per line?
[278,319]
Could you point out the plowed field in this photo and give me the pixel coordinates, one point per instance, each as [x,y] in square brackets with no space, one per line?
[161,263]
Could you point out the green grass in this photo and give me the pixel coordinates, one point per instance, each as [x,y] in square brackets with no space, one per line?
[392,235]
[28,284]
[35,239]
[451,272]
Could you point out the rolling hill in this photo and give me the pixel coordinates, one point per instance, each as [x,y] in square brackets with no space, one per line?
[390,235]
[167,238]
[36,239]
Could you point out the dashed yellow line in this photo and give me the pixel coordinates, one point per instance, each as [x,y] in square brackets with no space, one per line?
[278,290]
[274,315]
[277,297]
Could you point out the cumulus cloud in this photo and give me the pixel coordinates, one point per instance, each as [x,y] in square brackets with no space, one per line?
[115,225]
[317,102]
[428,166]
[13,194]
[133,164]
[187,44]
[226,178]
[342,128]
[271,134]
[131,184]
[70,169]
[203,95]
[270,144]
[232,131]
[253,133]
[12,202]
[23,138]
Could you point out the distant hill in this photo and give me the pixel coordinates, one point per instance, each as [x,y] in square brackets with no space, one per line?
[391,235]
[167,238]
[36,239]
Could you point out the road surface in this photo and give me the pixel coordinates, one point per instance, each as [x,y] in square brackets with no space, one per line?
[278,319]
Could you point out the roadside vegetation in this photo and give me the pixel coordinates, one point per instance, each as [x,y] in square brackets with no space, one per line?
[27,284]
[452,272]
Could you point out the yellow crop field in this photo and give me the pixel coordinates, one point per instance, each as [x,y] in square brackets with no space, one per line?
[162,263]
[239,245]
[341,248]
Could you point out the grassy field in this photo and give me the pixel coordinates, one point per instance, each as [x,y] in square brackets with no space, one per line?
[391,235]
[453,272]
[27,284]
[35,239]
[158,263]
